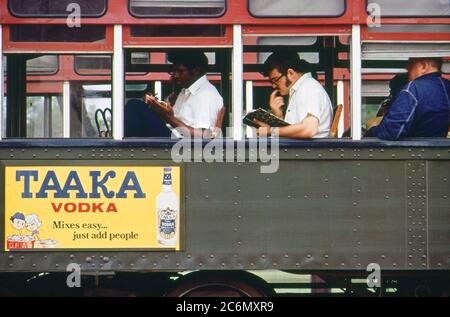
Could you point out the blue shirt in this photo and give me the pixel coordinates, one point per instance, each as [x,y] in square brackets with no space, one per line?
[422,109]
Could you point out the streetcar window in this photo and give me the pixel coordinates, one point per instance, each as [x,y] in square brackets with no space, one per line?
[177,30]
[57,33]
[93,65]
[44,116]
[311,57]
[211,56]
[408,8]
[56,104]
[407,28]
[299,8]
[177,8]
[59,8]
[373,93]
[44,65]
[401,51]
[156,70]
[140,58]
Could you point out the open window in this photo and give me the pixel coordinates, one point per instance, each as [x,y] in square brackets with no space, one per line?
[47,98]
[382,62]
[149,70]
[325,54]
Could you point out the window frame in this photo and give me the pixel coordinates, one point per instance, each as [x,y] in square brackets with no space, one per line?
[131,13]
[59,47]
[406,16]
[44,16]
[47,73]
[77,70]
[297,16]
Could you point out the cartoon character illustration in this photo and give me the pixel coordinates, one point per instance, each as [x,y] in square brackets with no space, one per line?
[32,224]
[18,221]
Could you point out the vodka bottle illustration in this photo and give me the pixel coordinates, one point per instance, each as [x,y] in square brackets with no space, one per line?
[167,212]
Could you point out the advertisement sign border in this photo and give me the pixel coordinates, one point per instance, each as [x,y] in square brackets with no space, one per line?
[93,163]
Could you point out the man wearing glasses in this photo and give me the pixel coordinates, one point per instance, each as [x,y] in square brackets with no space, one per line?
[309,110]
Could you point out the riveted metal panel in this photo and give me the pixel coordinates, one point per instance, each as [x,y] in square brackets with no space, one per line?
[328,207]
[439,214]
[417,214]
[315,214]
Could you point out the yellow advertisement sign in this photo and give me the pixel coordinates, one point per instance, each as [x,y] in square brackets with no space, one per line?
[92,207]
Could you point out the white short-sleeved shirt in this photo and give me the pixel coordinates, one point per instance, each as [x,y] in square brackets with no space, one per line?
[198,106]
[307,96]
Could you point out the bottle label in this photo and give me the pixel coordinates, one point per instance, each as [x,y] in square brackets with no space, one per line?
[167,180]
[167,223]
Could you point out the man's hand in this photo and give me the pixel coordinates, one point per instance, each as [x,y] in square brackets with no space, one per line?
[264,129]
[276,104]
[162,108]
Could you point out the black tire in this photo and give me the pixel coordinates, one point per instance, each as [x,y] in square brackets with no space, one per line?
[220,284]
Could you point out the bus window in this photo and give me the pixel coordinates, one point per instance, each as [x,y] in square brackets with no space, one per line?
[55,100]
[44,117]
[321,52]
[93,65]
[52,8]
[373,93]
[177,30]
[407,28]
[44,65]
[172,8]
[299,8]
[401,51]
[407,8]
[311,57]
[151,72]
[57,33]
[381,63]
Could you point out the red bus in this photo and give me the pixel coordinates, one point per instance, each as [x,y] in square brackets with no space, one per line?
[61,61]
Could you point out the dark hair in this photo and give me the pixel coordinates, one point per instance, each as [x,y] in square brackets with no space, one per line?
[436,62]
[397,83]
[17,215]
[189,58]
[282,60]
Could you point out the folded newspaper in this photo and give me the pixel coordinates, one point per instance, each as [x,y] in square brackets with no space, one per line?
[263,116]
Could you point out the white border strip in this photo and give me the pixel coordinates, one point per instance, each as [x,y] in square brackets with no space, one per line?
[355,84]
[118,85]
[158,89]
[249,105]
[237,80]
[340,101]
[66,109]
[2,82]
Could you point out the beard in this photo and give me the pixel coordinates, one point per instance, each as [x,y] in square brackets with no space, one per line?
[288,82]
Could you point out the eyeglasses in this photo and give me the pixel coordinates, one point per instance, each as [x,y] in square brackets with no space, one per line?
[274,81]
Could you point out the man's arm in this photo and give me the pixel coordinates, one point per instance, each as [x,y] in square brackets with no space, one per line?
[177,123]
[398,121]
[165,110]
[305,129]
